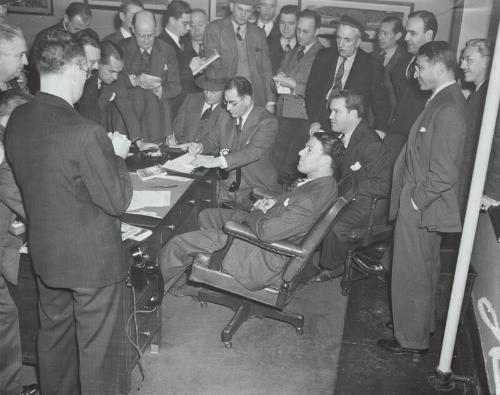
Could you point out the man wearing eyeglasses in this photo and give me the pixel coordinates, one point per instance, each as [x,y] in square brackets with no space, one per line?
[75,186]
[153,71]
[242,144]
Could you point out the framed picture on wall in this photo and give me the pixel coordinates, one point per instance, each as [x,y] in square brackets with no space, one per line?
[42,7]
[218,9]
[153,5]
[369,12]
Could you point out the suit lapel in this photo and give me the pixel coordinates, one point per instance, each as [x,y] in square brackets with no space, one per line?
[249,128]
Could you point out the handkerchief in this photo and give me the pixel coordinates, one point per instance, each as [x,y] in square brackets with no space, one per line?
[356,166]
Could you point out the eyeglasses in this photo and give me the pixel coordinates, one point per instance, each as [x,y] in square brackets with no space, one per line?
[232,103]
[87,71]
[145,36]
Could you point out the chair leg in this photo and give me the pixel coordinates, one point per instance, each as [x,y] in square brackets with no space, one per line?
[243,313]
[345,283]
[294,319]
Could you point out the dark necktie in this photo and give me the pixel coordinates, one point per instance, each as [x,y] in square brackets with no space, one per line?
[288,47]
[206,113]
[471,96]
[201,52]
[337,82]
[381,57]
[410,71]
[238,33]
[238,125]
[300,53]
[146,61]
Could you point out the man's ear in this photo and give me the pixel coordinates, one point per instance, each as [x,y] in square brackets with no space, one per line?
[121,15]
[428,34]
[399,35]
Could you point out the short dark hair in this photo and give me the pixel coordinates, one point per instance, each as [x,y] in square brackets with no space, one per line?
[55,50]
[241,84]
[430,21]
[110,50]
[127,3]
[397,24]
[176,9]
[9,32]
[332,146]
[86,38]
[353,101]
[289,10]
[307,13]
[12,98]
[80,9]
[439,52]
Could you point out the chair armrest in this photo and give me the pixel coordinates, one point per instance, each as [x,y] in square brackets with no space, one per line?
[243,232]
[261,193]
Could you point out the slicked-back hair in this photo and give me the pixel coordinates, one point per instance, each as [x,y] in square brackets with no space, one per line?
[9,33]
[80,9]
[430,21]
[307,13]
[176,9]
[127,3]
[110,50]
[85,38]
[12,98]
[397,24]
[439,52]
[353,101]
[241,84]
[332,146]
[482,45]
[289,10]
[55,50]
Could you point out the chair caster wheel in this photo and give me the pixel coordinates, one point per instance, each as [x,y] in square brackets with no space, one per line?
[228,344]
[300,331]
[203,304]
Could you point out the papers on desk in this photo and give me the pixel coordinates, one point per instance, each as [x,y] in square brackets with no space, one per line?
[134,232]
[142,199]
[181,164]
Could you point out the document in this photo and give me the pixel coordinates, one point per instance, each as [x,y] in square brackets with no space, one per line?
[205,63]
[142,199]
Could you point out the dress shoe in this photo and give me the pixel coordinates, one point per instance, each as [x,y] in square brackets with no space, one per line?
[369,266]
[31,389]
[390,325]
[327,274]
[396,348]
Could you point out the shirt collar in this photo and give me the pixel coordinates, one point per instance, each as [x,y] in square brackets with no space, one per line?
[245,116]
[308,47]
[285,41]
[243,28]
[125,33]
[440,88]
[479,85]
[268,26]
[174,36]
[348,135]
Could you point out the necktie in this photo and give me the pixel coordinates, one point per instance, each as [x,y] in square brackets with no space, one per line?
[410,70]
[201,51]
[238,33]
[381,57]
[300,53]
[337,82]
[472,94]
[206,113]
[288,47]
[146,61]
[238,124]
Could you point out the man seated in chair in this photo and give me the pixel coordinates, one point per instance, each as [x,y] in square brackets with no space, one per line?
[243,145]
[289,216]
[366,158]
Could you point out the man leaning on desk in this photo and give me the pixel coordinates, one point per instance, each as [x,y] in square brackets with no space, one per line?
[242,144]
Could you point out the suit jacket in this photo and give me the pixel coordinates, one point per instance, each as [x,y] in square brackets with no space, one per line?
[109,106]
[219,36]
[293,215]
[74,190]
[188,125]
[427,169]
[366,159]
[492,185]
[293,106]
[153,113]
[366,77]
[10,205]
[276,51]
[251,150]
[114,37]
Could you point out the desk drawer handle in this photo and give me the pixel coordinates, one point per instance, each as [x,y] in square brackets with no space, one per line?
[171,227]
[192,202]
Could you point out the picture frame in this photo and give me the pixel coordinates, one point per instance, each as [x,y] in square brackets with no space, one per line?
[369,12]
[151,5]
[218,9]
[38,7]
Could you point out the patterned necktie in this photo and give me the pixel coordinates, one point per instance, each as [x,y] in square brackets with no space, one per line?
[337,82]
[300,53]
[206,113]
[238,33]
[410,70]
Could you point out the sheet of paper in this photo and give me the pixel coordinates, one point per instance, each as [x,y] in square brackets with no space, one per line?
[141,199]
[283,90]
[182,164]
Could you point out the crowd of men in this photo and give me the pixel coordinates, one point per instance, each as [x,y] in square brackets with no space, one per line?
[277,103]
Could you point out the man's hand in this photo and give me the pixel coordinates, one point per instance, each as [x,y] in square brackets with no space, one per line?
[381,134]
[287,82]
[314,128]
[195,63]
[146,81]
[271,107]
[209,163]
[487,202]
[146,146]
[171,141]
[191,148]
[264,204]
[121,144]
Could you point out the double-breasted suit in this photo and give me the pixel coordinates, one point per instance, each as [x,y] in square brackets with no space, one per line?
[220,36]
[293,214]
[366,78]
[189,125]
[154,113]
[424,201]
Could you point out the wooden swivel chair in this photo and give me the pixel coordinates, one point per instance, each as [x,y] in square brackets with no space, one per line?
[271,301]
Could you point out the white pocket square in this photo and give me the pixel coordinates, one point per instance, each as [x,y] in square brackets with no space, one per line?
[422,129]
[165,68]
[356,166]
[285,203]
[113,96]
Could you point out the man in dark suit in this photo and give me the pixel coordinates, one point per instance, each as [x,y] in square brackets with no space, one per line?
[75,186]
[244,145]
[424,199]
[199,22]
[293,75]
[421,28]
[286,40]
[200,112]
[266,11]
[243,51]
[178,20]
[128,9]
[11,205]
[346,66]
[153,72]
[366,160]
[287,217]
[475,64]
[390,52]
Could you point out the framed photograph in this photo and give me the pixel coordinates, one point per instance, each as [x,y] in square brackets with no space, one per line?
[152,5]
[218,9]
[369,12]
[41,7]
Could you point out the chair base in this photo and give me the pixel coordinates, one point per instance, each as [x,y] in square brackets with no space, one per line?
[244,310]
